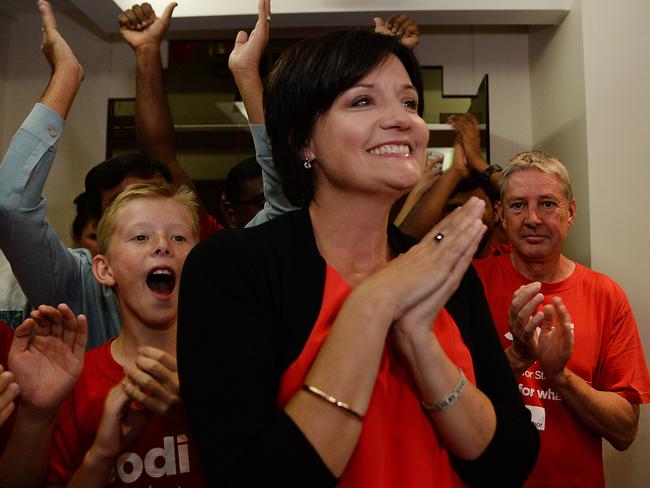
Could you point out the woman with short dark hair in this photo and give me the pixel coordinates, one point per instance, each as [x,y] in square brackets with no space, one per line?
[330,358]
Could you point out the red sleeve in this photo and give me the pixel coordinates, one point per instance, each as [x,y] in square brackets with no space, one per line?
[622,368]
[6,336]
[208,225]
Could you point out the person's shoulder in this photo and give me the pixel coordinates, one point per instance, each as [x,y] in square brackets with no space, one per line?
[287,237]
[97,354]
[600,284]
[274,234]
[288,225]
[100,366]
[491,262]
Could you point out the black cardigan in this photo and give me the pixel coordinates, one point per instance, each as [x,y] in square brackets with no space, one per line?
[248,301]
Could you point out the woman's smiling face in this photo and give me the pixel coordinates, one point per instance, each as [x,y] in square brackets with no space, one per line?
[372,138]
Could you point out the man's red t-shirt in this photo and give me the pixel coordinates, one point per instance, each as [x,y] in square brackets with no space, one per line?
[607,354]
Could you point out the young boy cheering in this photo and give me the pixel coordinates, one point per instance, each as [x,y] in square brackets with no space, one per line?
[124,421]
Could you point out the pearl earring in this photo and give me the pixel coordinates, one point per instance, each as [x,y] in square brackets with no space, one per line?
[307,163]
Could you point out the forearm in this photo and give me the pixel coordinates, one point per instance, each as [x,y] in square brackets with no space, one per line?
[468,425]
[154,124]
[39,259]
[62,89]
[24,460]
[427,212]
[515,438]
[415,195]
[346,368]
[94,471]
[603,412]
[252,94]
[153,119]
[478,164]
[276,201]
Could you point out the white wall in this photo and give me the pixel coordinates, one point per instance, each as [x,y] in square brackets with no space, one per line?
[109,67]
[503,55]
[588,105]
[617,89]
[558,114]
[590,81]
[109,73]
[6,47]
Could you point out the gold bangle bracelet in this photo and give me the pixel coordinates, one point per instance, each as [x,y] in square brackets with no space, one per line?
[318,393]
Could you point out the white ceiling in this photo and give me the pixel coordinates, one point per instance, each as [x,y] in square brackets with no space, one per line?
[195,15]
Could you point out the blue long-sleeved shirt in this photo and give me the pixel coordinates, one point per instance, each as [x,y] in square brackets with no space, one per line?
[48,271]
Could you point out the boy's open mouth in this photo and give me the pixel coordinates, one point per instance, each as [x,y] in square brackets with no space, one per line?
[161,281]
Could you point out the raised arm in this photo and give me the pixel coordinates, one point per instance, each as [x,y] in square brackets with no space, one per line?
[244,64]
[46,367]
[468,130]
[427,211]
[467,160]
[402,27]
[144,32]
[429,177]
[67,73]
[44,267]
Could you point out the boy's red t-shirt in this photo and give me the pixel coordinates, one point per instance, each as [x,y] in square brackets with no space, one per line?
[163,456]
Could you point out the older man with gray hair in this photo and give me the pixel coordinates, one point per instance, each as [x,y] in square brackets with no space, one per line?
[568,331]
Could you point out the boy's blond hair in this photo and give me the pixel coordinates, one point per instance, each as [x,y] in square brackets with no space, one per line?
[152,189]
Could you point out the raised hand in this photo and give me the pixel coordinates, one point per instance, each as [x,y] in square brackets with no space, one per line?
[469,135]
[431,171]
[153,383]
[119,427]
[400,26]
[140,26]
[244,63]
[555,343]
[247,53]
[8,392]
[524,322]
[459,164]
[58,53]
[47,365]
